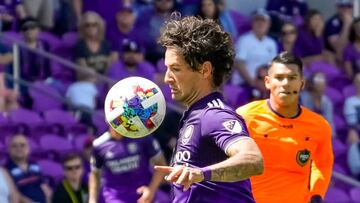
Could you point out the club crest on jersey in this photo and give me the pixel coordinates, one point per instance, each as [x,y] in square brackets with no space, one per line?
[187,134]
[233,126]
[132,148]
[302,157]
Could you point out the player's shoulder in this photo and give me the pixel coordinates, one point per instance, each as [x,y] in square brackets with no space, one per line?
[101,139]
[252,108]
[216,106]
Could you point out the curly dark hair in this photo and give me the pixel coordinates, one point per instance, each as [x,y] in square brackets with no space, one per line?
[200,40]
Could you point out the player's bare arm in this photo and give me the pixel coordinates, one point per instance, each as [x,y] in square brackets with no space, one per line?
[94,185]
[245,161]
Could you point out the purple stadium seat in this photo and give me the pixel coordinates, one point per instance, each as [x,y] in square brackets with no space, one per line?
[51,168]
[335,96]
[339,81]
[55,143]
[69,39]
[339,122]
[160,66]
[6,127]
[80,140]
[336,195]
[50,38]
[235,95]
[65,121]
[355,194]
[98,119]
[349,91]
[339,148]
[45,97]
[329,70]
[27,121]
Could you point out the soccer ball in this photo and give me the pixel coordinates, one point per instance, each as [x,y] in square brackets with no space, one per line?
[135,107]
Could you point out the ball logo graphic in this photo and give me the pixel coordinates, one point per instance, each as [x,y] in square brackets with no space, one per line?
[135,107]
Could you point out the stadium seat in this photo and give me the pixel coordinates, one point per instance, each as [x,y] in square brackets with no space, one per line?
[28,122]
[98,119]
[54,146]
[63,122]
[349,91]
[355,194]
[339,81]
[51,39]
[329,70]
[336,195]
[339,148]
[44,97]
[335,96]
[69,39]
[51,168]
[235,95]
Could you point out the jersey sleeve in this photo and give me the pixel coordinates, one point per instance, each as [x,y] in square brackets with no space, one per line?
[322,163]
[224,127]
[151,146]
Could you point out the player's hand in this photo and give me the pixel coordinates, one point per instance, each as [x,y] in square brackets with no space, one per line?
[182,175]
[146,194]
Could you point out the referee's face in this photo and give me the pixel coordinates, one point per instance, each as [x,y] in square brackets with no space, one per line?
[285,83]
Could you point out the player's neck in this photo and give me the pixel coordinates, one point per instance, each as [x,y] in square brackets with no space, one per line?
[286,111]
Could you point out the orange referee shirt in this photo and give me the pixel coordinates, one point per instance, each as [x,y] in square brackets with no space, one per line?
[297,153]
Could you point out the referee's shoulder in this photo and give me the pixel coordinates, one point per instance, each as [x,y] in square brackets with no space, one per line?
[251,108]
[315,118]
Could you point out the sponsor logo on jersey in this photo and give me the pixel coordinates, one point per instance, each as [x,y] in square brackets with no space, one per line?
[303,157]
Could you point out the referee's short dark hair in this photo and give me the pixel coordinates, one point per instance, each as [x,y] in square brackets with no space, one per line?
[287,58]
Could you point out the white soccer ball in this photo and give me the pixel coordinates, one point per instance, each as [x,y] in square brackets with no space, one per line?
[135,107]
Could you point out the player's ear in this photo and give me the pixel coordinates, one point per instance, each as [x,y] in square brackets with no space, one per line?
[302,84]
[267,82]
[206,69]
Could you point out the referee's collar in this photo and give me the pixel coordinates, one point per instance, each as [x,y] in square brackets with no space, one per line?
[278,114]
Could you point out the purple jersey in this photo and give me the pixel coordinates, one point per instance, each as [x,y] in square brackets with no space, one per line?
[352,55]
[125,165]
[144,69]
[207,129]
[308,44]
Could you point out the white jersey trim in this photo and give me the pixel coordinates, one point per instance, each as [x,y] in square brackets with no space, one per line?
[233,141]
[216,103]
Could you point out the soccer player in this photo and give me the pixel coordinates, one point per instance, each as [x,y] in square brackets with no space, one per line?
[123,165]
[214,155]
[295,142]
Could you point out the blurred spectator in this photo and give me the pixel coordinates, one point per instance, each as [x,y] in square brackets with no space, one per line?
[338,27]
[92,50]
[11,11]
[210,9]
[150,21]
[288,10]
[42,10]
[287,39]
[351,54]
[254,49]
[8,191]
[352,112]
[315,99]
[86,103]
[34,67]
[8,97]
[124,29]
[65,18]
[71,189]
[232,21]
[124,166]
[353,159]
[26,174]
[259,90]
[310,41]
[132,63]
